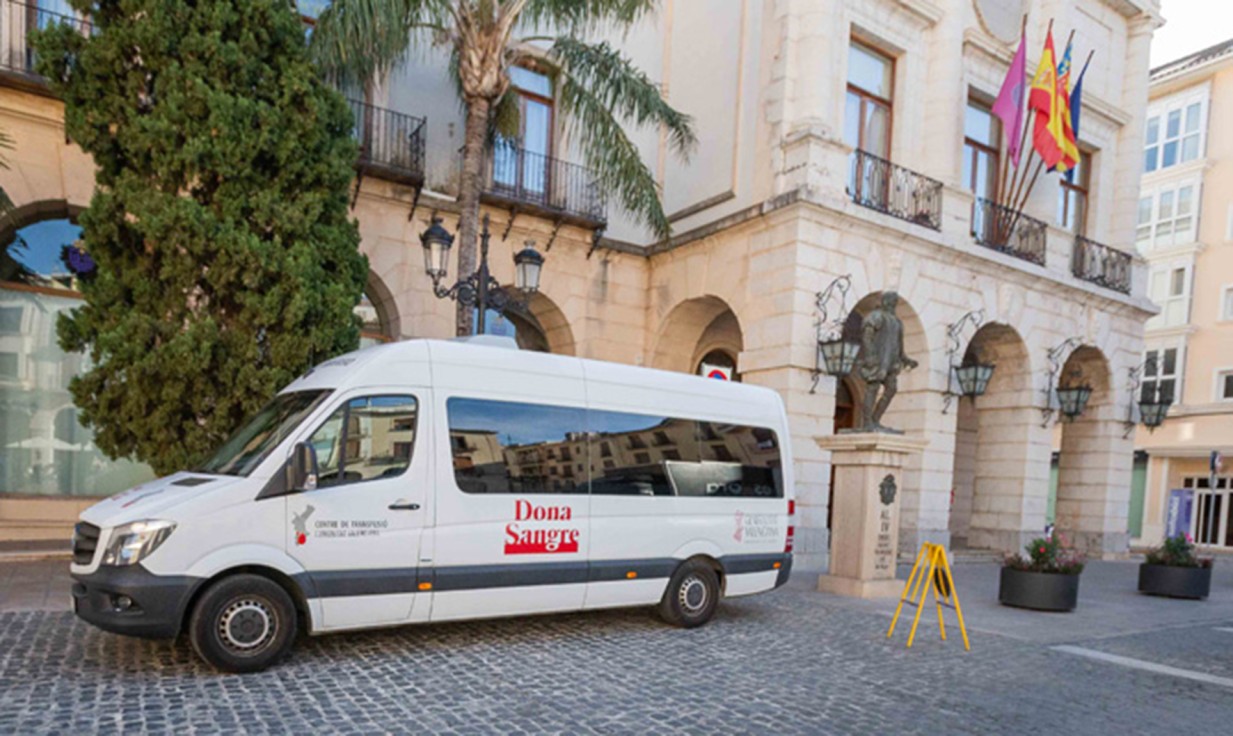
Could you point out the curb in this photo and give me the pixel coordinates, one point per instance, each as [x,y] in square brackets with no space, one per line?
[35,556]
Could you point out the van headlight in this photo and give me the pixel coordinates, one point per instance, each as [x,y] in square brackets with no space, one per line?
[132,543]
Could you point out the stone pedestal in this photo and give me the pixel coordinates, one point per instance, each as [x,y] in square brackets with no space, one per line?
[865,518]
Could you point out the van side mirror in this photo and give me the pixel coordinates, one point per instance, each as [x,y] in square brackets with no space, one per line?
[303,468]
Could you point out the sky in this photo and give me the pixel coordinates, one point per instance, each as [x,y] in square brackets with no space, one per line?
[1191,25]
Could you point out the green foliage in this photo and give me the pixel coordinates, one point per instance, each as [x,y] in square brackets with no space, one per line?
[1050,554]
[227,262]
[1177,551]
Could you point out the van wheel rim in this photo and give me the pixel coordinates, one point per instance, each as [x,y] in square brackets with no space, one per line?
[693,595]
[247,625]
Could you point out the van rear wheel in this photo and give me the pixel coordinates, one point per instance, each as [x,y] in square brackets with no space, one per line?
[243,623]
[692,595]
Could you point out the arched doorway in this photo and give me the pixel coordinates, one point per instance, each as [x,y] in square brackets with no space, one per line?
[378,313]
[699,332]
[539,325]
[1094,460]
[997,493]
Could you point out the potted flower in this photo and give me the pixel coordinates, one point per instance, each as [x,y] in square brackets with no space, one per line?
[1047,579]
[1173,569]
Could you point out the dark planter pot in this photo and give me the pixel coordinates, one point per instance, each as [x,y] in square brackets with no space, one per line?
[1175,582]
[1040,591]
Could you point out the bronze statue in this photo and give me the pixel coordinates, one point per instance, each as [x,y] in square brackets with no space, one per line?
[879,362]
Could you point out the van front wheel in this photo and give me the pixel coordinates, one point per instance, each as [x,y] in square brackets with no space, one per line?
[692,595]
[243,623]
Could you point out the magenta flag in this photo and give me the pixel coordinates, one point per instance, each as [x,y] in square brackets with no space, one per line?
[1009,104]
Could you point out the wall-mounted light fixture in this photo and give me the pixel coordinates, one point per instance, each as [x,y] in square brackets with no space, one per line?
[1153,403]
[1071,399]
[971,377]
[836,352]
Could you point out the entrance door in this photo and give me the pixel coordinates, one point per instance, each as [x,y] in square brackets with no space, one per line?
[1212,523]
[358,534]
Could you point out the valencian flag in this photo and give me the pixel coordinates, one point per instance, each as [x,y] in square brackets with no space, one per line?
[1076,104]
[1009,104]
[1047,128]
[1070,149]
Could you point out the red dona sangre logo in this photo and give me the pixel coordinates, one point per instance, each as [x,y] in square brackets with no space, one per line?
[530,533]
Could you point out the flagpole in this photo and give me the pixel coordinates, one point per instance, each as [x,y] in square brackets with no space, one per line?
[1000,199]
[1006,158]
[1026,194]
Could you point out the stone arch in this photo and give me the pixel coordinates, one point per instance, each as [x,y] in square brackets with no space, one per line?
[1094,460]
[379,297]
[997,497]
[552,324]
[694,328]
[37,211]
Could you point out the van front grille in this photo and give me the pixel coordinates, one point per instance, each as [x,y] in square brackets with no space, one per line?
[85,541]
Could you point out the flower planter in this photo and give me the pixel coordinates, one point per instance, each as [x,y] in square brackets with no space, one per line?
[1175,582]
[1040,591]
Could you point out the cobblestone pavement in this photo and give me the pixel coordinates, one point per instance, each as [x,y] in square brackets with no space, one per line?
[791,661]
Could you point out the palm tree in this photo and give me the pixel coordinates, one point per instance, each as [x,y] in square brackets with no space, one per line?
[596,86]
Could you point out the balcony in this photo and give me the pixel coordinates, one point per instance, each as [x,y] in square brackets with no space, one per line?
[17,20]
[545,186]
[392,144]
[893,190]
[1006,231]
[1101,265]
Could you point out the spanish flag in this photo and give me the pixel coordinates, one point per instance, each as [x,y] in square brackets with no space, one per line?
[1070,149]
[1048,133]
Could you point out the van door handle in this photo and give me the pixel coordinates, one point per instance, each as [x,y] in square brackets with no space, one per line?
[404,506]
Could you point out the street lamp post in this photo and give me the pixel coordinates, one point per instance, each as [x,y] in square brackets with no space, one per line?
[480,290]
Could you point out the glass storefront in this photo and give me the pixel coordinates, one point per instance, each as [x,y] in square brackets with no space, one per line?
[44,449]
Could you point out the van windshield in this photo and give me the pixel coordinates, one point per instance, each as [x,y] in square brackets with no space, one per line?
[252,442]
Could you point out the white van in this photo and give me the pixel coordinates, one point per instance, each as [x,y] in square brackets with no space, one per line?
[444,480]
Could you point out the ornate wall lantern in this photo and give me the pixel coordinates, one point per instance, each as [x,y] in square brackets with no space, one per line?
[836,352]
[971,378]
[1153,403]
[437,243]
[1071,399]
[527,266]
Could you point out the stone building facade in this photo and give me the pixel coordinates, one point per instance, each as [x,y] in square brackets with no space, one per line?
[1185,231]
[835,139]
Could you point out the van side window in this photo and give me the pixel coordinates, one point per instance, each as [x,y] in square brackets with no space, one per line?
[511,447]
[668,456]
[365,439]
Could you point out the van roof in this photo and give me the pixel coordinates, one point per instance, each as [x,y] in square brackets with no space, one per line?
[498,371]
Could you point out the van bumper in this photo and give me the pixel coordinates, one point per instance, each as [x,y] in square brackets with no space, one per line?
[154,607]
[785,570]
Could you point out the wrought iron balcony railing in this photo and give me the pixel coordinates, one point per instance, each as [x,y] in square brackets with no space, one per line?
[893,190]
[18,20]
[1100,264]
[554,188]
[392,144]
[1008,231]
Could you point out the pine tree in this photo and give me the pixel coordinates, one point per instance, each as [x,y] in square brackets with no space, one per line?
[227,263]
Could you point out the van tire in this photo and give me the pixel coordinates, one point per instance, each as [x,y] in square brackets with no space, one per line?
[243,623]
[692,595]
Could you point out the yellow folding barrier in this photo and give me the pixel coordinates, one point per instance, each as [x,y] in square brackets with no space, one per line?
[931,571]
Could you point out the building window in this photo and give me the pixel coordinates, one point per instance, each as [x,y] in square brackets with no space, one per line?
[1073,196]
[1174,135]
[1169,287]
[522,164]
[1224,385]
[1226,303]
[1160,376]
[981,137]
[1167,217]
[868,112]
